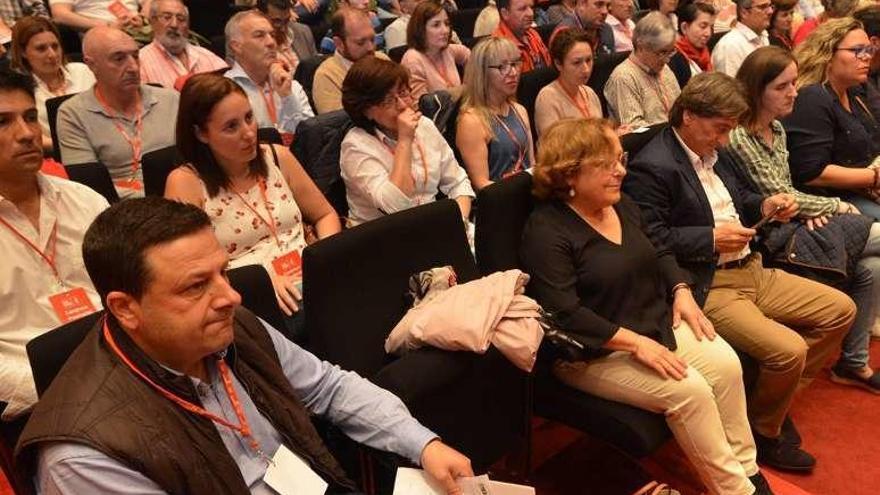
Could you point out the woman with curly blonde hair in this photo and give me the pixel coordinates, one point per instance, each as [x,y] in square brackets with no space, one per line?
[595,269]
[833,133]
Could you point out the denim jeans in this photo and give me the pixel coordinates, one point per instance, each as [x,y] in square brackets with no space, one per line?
[864,289]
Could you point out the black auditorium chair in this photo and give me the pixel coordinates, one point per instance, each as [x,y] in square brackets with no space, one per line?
[52,106]
[546,30]
[602,69]
[472,42]
[463,21]
[714,39]
[305,74]
[530,84]
[269,135]
[442,108]
[355,283]
[96,176]
[316,145]
[157,164]
[396,53]
[252,282]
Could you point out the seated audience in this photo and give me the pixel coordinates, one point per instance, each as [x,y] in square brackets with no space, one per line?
[642,88]
[516,18]
[120,120]
[294,39]
[354,40]
[42,222]
[780,30]
[170,56]
[487,20]
[833,135]
[568,96]
[328,43]
[667,8]
[221,176]
[493,134]
[178,390]
[83,15]
[695,202]
[870,19]
[749,33]
[36,50]
[276,99]
[432,59]
[832,9]
[394,158]
[589,16]
[395,33]
[13,10]
[594,268]
[692,54]
[310,12]
[557,12]
[620,14]
[769,77]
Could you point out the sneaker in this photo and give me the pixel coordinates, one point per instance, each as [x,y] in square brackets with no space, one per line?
[761,485]
[846,376]
[782,455]
[789,433]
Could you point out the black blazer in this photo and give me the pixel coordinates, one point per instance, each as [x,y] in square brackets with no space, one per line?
[675,209]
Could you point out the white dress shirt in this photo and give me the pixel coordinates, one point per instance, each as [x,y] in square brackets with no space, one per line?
[27,281]
[291,110]
[723,209]
[622,33]
[366,162]
[735,46]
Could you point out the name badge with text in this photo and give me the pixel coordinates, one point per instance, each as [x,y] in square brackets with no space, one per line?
[72,304]
[289,475]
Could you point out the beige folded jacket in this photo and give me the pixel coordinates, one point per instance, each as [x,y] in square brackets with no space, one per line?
[470,316]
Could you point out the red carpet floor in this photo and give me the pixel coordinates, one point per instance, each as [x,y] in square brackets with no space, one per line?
[840,425]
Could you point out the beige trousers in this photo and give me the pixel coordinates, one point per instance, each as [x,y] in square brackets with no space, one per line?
[706,411]
[789,324]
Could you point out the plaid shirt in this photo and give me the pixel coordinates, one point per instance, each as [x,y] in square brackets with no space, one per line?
[768,167]
[13,10]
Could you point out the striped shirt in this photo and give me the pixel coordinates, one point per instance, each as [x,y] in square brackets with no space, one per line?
[768,168]
[160,67]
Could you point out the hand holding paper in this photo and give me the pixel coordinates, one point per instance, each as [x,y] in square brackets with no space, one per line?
[446,465]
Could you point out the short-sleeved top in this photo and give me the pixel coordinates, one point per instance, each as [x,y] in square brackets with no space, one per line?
[96,9]
[821,132]
[554,104]
[505,150]
[77,78]
[244,236]
[593,285]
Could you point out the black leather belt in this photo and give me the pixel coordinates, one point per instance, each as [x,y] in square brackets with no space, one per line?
[737,263]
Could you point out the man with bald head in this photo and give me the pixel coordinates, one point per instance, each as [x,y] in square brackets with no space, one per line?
[171,58]
[355,39]
[119,120]
[276,99]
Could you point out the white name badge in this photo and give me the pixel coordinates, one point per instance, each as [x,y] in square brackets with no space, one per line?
[417,482]
[289,475]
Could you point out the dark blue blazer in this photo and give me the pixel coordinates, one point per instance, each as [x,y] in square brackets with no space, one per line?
[675,209]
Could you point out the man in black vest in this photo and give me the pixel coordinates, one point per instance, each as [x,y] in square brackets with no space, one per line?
[179,390]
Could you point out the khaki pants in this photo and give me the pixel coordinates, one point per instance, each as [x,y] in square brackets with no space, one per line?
[706,411]
[791,325]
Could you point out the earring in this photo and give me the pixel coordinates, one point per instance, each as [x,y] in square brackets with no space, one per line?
[571,192]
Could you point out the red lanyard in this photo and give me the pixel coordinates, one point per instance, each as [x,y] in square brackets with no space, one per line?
[521,149]
[170,62]
[421,155]
[244,428]
[580,103]
[270,104]
[270,224]
[49,258]
[441,71]
[135,141]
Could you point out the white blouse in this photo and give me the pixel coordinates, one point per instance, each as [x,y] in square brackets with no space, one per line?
[77,78]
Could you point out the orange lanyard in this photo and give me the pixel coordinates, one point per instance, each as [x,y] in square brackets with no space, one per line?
[270,224]
[135,141]
[579,102]
[658,88]
[49,258]
[521,149]
[421,155]
[441,71]
[270,104]
[243,428]
[170,63]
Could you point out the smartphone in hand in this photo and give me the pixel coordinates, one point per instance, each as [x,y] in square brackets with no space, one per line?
[766,219]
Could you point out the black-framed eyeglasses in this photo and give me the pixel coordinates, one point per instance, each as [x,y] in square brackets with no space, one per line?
[506,68]
[861,51]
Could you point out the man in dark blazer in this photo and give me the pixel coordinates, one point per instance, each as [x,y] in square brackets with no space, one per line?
[695,201]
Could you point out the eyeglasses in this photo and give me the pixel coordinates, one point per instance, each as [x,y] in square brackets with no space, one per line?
[506,68]
[404,94]
[167,17]
[861,51]
[610,166]
[665,54]
[766,7]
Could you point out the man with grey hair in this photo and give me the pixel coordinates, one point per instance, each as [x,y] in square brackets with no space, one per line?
[277,100]
[119,120]
[171,58]
[749,34]
[642,88]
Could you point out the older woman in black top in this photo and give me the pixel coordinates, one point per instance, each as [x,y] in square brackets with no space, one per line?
[834,133]
[593,267]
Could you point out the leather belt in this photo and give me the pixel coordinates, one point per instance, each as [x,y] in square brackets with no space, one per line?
[737,263]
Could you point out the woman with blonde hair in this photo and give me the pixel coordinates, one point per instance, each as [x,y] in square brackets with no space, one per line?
[493,133]
[628,303]
[833,133]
